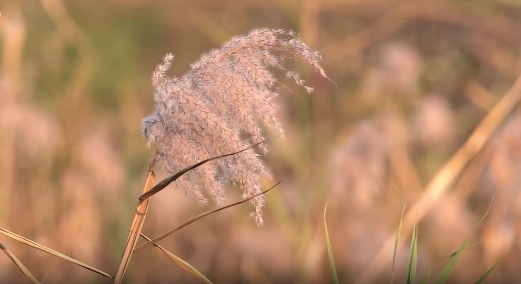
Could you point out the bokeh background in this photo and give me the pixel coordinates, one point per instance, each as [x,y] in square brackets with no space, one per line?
[413,80]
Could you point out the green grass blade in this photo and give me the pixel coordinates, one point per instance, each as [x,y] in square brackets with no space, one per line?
[425,277]
[447,270]
[413,257]
[482,278]
[334,275]
[454,253]
[396,243]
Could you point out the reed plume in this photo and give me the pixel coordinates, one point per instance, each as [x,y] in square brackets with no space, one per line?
[228,91]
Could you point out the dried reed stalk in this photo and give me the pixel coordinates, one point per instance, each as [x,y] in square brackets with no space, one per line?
[19,264]
[38,246]
[164,183]
[135,229]
[444,178]
[203,113]
[191,220]
[139,217]
[181,263]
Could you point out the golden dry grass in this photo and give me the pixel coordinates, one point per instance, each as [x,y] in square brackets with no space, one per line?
[426,104]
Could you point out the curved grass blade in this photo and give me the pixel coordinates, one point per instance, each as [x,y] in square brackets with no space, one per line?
[164,183]
[19,264]
[181,263]
[396,242]
[191,220]
[413,256]
[447,270]
[454,253]
[332,266]
[44,278]
[38,246]
[447,175]
[425,277]
[482,278]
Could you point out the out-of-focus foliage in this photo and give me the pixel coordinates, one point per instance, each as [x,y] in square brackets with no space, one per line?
[413,80]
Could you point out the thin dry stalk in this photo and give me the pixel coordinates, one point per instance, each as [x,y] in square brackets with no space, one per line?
[181,263]
[470,178]
[480,96]
[38,246]
[191,220]
[164,183]
[444,178]
[20,265]
[135,229]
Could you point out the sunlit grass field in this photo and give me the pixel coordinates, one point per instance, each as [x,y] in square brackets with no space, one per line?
[415,142]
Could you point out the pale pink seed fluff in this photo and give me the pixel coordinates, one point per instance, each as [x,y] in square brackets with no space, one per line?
[227,91]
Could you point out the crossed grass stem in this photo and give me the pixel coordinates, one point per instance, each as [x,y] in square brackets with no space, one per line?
[227,92]
[135,230]
[148,191]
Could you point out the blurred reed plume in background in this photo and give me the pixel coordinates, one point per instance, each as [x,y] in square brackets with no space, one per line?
[415,80]
[203,113]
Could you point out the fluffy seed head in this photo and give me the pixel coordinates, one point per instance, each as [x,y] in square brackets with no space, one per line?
[227,91]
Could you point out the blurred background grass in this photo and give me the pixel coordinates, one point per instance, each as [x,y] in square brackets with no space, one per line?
[414,78]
